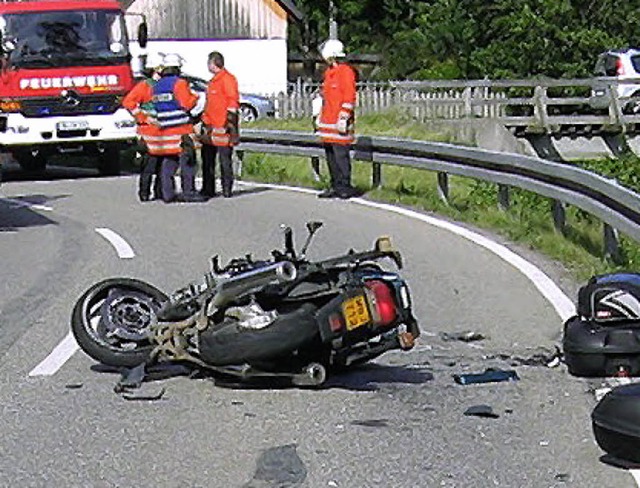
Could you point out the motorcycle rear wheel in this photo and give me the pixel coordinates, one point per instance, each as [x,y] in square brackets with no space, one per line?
[112,320]
[229,344]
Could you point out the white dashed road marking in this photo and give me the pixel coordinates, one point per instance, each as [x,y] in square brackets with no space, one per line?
[68,347]
[121,246]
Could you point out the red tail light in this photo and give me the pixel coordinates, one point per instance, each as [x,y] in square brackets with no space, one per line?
[619,67]
[383,304]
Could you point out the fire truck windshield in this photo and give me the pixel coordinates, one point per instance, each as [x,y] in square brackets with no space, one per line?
[65,38]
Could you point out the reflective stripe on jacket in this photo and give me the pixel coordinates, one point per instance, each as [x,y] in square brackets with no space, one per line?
[222,97]
[338,101]
[172,99]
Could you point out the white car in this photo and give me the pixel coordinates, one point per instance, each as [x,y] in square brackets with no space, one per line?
[624,66]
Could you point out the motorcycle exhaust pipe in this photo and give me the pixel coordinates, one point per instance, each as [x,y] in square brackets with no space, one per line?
[251,281]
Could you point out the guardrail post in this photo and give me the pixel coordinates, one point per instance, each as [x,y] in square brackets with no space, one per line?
[540,106]
[468,108]
[503,197]
[376,176]
[315,167]
[615,110]
[559,216]
[239,162]
[443,187]
[612,249]
[363,151]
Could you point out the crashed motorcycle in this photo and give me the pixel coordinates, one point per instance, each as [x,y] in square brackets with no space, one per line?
[285,317]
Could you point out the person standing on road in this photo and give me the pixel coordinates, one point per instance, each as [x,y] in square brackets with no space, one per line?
[335,124]
[138,103]
[173,100]
[220,126]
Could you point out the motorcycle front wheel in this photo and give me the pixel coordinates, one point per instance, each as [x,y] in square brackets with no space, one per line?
[112,320]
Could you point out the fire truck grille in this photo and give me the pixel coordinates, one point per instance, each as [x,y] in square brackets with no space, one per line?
[82,105]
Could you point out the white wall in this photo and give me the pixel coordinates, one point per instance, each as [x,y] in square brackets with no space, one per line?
[259,64]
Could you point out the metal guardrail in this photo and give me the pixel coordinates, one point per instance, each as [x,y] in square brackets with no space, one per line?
[617,206]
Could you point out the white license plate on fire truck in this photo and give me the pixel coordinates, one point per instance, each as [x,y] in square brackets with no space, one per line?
[72,125]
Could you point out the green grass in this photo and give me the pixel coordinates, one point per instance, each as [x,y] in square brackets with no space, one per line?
[528,220]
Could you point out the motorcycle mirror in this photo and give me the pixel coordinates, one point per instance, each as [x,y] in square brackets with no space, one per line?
[288,242]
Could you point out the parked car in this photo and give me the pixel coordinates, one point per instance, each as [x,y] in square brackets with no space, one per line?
[252,107]
[623,65]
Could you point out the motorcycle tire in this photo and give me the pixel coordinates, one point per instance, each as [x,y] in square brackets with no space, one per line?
[230,344]
[111,320]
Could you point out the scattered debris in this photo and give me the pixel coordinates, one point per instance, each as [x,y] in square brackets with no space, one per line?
[141,396]
[371,423]
[562,477]
[489,376]
[130,378]
[279,466]
[465,336]
[541,357]
[484,411]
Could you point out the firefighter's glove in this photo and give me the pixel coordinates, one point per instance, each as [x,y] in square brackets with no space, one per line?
[141,147]
[232,126]
[343,122]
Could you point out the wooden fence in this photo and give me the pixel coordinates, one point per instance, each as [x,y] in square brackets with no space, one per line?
[540,106]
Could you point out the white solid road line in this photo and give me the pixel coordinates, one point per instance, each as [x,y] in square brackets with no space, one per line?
[559,300]
[121,246]
[60,355]
[68,347]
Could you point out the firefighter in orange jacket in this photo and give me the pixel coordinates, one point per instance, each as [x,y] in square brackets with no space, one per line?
[138,103]
[220,126]
[173,101]
[335,124]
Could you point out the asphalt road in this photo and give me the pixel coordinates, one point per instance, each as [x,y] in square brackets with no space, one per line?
[398,422]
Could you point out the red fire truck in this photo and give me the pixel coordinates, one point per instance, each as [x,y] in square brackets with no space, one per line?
[64,67]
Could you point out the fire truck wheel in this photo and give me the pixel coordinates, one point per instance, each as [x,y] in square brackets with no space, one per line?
[109,162]
[29,162]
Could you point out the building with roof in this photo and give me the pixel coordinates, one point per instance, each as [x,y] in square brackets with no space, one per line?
[251,34]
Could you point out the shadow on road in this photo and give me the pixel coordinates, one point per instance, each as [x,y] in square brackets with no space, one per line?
[369,377]
[16,213]
[13,172]
[363,378]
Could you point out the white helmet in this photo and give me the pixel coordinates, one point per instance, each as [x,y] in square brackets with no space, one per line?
[172,60]
[154,61]
[332,48]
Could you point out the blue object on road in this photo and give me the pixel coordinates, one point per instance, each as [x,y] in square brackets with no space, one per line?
[489,376]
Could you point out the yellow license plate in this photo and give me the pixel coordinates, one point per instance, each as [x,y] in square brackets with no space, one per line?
[355,312]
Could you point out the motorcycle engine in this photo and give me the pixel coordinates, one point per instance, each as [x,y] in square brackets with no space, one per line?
[251,316]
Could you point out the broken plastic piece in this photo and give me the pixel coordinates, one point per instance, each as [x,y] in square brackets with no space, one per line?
[140,396]
[489,376]
[481,411]
[465,336]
